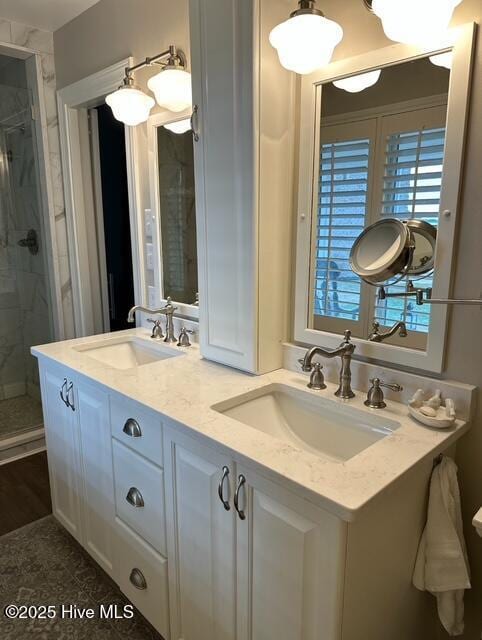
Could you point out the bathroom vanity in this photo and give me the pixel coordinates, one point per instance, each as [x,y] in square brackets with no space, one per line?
[231,506]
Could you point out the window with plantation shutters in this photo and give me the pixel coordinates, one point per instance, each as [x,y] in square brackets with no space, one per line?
[388,166]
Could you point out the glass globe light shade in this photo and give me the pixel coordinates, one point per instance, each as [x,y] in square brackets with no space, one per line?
[354,84]
[130,105]
[415,22]
[305,42]
[181,126]
[442,59]
[172,89]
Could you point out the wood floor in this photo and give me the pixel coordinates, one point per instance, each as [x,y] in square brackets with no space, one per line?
[24,492]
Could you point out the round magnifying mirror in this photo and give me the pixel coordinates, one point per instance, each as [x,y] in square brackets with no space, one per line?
[424,238]
[391,249]
[381,251]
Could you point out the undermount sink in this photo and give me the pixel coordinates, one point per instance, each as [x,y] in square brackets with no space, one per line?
[316,424]
[126,353]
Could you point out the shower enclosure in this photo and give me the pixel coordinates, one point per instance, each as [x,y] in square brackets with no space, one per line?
[25,314]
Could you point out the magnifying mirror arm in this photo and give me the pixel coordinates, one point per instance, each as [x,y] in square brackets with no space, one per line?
[424,296]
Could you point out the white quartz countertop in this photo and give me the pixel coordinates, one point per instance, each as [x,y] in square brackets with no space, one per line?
[185,388]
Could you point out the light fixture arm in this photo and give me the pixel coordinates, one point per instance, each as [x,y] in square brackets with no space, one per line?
[368,5]
[175,58]
[424,296]
[306,7]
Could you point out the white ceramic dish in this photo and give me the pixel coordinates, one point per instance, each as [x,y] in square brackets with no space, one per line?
[440,421]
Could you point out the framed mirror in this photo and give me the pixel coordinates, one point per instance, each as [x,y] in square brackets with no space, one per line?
[171,256]
[381,138]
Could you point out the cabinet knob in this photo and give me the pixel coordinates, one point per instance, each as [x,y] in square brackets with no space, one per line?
[134,497]
[241,483]
[137,579]
[224,477]
[132,428]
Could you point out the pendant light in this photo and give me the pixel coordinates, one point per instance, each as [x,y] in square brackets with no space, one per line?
[179,126]
[414,22]
[171,87]
[442,60]
[306,41]
[129,104]
[354,84]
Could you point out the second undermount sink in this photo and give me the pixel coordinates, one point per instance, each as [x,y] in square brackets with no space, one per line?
[316,424]
[126,352]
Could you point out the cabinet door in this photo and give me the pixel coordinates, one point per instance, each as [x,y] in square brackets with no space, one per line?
[222,75]
[201,542]
[290,564]
[61,432]
[96,460]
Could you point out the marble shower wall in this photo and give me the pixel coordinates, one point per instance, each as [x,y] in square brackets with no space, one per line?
[24,293]
[41,42]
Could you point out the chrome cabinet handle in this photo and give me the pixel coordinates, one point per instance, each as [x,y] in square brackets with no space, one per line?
[62,392]
[241,483]
[194,123]
[70,403]
[132,428]
[224,477]
[137,579]
[134,497]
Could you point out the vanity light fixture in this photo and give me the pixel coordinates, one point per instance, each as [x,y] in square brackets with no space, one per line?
[354,84]
[306,41]
[171,87]
[442,60]
[179,126]
[415,22]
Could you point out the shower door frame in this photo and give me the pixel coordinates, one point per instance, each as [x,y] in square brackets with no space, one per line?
[45,187]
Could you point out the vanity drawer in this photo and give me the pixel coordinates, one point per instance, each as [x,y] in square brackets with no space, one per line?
[139,495]
[138,429]
[142,577]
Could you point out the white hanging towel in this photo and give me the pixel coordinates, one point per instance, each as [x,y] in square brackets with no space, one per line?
[442,565]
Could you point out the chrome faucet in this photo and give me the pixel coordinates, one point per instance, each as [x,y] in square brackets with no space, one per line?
[345,351]
[168,311]
[377,336]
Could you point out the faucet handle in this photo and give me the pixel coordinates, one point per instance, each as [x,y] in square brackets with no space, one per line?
[156,329]
[347,334]
[393,387]
[375,398]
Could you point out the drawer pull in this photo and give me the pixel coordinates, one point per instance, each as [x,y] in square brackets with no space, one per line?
[70,390]
[132,428]
[221,488]
[134,497]
[241,483]
[137,579]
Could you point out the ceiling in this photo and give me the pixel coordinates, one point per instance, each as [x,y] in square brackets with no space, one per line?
[43,14]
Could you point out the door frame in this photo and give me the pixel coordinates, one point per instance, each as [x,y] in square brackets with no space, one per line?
[33,64]
[72,101]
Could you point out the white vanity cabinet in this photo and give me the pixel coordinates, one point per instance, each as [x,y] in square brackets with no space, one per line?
[80,460]
[250,560]
[243,175]
[63,447]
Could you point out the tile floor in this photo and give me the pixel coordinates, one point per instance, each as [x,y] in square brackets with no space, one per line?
[41,564]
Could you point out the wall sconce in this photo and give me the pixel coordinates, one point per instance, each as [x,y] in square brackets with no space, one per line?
[415,22]
[171,87]
[354,84]
[306,41]
[178,126]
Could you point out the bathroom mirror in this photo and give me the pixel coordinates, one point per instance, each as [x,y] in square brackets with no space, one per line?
[172,255]
[384,155]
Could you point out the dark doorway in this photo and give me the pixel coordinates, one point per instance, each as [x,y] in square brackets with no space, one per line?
[115,203]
